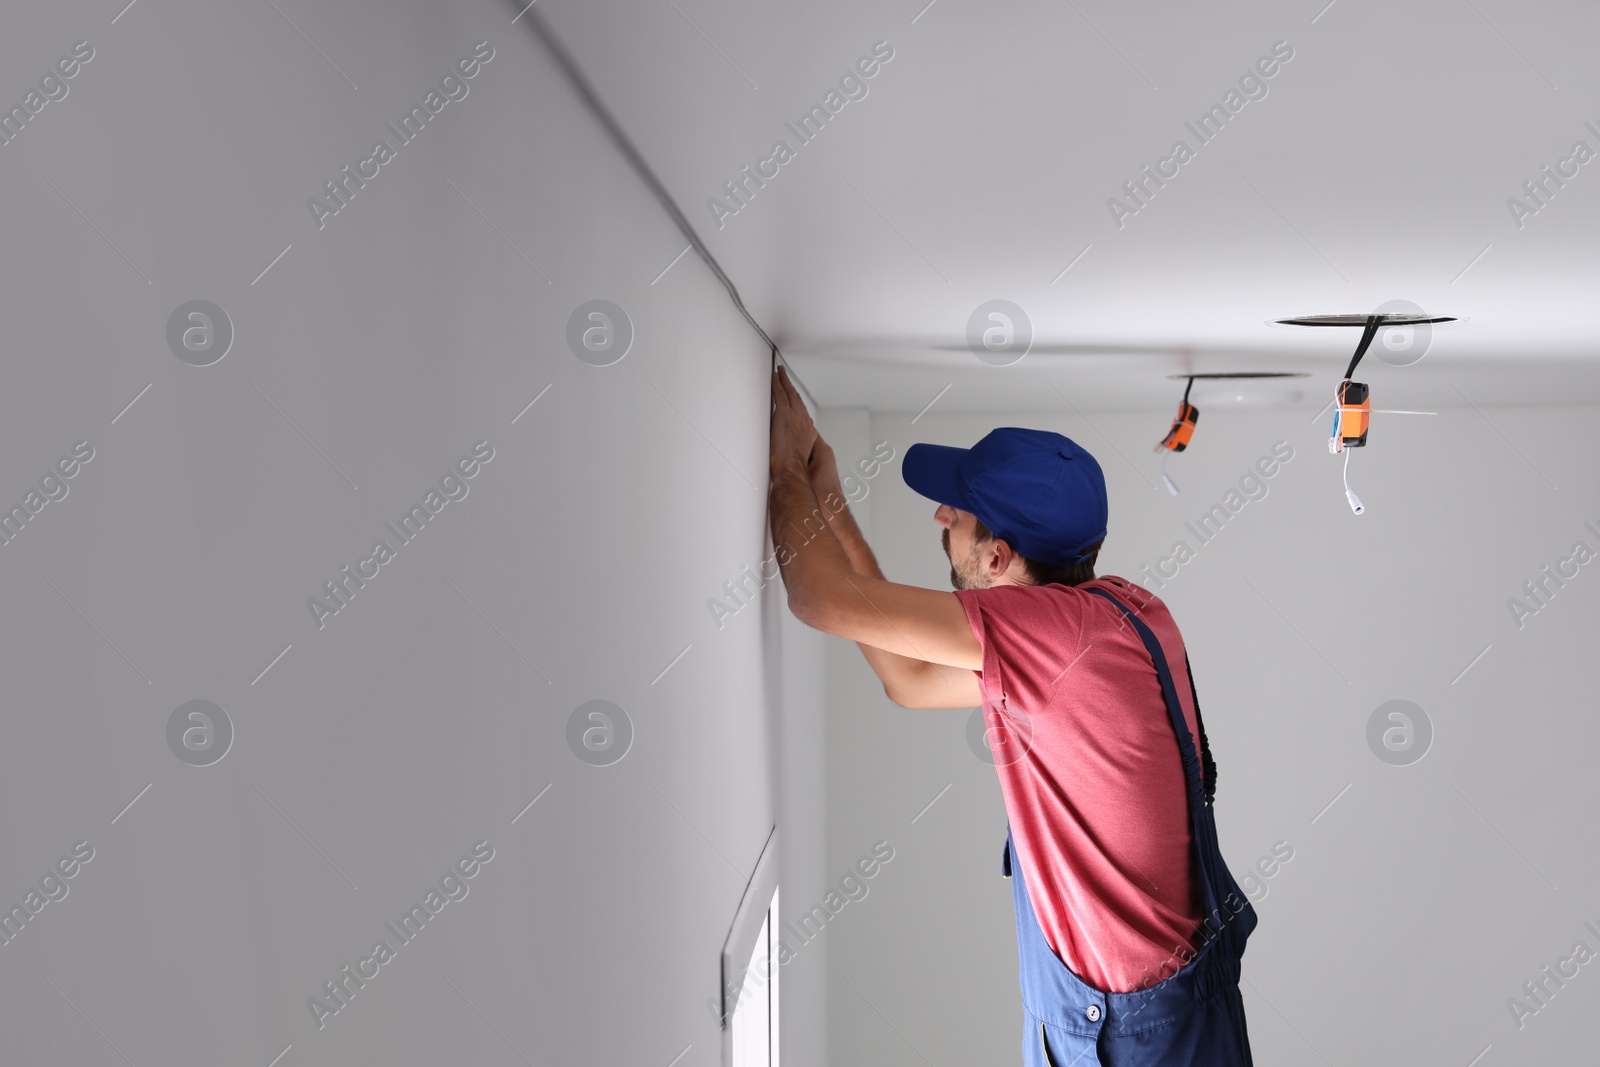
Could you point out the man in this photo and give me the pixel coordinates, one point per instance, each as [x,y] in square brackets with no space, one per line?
[1129,926]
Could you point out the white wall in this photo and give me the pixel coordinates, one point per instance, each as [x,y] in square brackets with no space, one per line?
[432,709]
[1419,902]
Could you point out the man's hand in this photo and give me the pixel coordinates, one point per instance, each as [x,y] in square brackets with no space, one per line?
[793,432]
[910,636]
[823,470]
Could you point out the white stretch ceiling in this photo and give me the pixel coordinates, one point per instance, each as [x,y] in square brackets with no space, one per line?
[1375,164]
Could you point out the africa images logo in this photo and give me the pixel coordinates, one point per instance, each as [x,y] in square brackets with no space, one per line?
[1252,86]
[52,88]
[342,589]
[455,88]
[852,86]
[342,988]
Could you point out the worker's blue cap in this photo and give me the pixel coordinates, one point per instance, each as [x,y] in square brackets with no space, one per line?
[1038,491]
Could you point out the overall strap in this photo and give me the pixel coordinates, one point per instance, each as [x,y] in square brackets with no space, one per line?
[1205,746]
[1186,743]
[1200,816]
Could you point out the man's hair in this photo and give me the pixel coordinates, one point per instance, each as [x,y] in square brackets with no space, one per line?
[1044,573]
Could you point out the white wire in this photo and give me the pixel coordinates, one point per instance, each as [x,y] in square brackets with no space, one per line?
[1172,486]
[1347,469]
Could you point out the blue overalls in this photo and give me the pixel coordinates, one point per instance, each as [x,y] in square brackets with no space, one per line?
[1194,1017]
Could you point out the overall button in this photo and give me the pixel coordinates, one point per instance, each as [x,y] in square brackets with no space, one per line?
[1093,1012]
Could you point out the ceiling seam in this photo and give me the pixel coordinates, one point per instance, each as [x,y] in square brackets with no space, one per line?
[591,99]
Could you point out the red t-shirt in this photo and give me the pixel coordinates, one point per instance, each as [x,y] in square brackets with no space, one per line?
[1091,775]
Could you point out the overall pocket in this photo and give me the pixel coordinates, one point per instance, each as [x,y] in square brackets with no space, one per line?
[1060,1048]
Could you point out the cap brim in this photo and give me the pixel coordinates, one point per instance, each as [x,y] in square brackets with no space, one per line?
[930,470]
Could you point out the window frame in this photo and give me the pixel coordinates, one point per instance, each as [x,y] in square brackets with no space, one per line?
[757,912]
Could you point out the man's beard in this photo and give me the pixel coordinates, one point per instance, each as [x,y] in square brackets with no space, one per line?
[958,580]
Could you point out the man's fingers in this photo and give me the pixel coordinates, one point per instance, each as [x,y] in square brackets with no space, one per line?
[795,413]
[780,387]
[791,396]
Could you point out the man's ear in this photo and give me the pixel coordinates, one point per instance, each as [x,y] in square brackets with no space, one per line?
[999,556]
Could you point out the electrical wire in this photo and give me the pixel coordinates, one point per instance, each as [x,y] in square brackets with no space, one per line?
[1367,334]
[1171,485]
